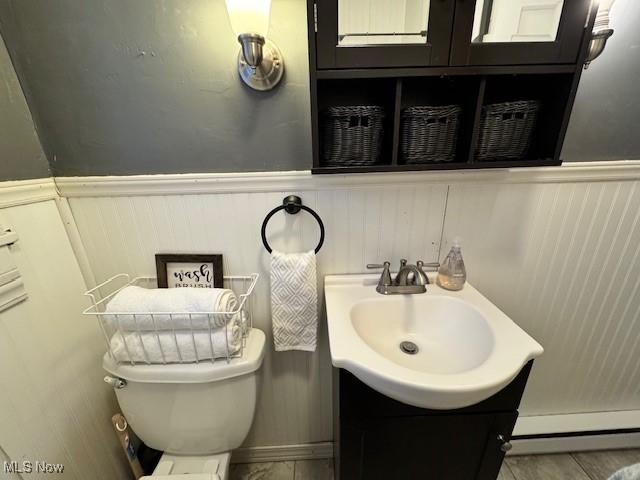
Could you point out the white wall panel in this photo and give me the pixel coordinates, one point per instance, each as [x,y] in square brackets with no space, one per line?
[562,260]
[363,225]
[54,405]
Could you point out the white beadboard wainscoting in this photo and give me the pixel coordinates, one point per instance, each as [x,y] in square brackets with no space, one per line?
[556,248]
[562,260]
[54,406]
[122,234]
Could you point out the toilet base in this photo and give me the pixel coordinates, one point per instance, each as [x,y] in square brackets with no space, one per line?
[186,467]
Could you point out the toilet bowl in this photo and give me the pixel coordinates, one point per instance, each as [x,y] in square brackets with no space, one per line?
[195,413]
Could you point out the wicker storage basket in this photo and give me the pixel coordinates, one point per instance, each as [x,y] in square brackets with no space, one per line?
[429,134]
[352,135]
[506,130]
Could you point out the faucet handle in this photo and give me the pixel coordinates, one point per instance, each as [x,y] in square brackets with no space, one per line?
[420,264]
[385,278]
[378,265]
[423,276]
[430,265]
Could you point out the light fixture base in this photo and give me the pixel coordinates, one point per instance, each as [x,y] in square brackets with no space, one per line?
[266,75]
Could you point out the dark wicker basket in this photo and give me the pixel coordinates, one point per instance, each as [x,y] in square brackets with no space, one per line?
[352,135]
[429,134]
[506,130]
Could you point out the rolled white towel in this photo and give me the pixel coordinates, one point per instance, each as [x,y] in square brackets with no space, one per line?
[139,300]
[145,347]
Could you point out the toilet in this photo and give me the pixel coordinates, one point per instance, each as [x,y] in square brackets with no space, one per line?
[196,413]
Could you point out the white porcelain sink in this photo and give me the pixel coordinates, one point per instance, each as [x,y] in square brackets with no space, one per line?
[462,349]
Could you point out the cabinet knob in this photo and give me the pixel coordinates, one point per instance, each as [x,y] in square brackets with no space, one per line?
[505,445]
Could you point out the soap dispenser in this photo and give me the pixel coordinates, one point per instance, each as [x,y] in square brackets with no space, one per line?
[452,275]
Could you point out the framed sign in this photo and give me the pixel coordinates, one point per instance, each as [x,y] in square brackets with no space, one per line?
[189,270]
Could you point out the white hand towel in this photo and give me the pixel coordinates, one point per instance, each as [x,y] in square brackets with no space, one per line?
[294,301]
[135,299]
[225,340]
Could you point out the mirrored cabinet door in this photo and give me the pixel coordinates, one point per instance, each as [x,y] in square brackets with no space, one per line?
[498,21]
[513,32]
[383,33]
[383,22]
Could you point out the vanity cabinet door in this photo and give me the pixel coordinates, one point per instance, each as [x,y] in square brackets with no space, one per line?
[428,447]
[499,433]
[517,32]
[382,33]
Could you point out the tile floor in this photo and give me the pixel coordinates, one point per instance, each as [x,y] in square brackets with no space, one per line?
[570,466]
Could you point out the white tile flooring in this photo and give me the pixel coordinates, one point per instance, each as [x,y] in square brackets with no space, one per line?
[597,465]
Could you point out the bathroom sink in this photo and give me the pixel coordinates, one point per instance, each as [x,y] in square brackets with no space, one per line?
[438,350]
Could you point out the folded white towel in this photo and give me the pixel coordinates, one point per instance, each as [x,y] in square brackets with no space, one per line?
[135,299]
[294,301]
[145,347]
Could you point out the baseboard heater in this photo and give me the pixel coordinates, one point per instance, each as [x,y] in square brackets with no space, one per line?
[558,442]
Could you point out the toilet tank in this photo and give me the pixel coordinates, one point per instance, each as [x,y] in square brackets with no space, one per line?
[192,409]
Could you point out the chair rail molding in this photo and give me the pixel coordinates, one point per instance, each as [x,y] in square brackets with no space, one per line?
[22,192]
[202,183]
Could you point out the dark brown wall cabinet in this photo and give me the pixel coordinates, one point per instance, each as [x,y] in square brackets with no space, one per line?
[443,84]
[380,438]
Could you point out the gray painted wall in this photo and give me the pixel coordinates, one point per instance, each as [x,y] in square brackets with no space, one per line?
[126,87]
[122,87]
[21,156]
[605,124]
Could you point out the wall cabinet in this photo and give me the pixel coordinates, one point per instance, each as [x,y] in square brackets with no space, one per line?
[414,33]
[379,438]
[505,71]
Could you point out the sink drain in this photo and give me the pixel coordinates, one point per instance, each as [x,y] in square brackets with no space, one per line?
[409,348]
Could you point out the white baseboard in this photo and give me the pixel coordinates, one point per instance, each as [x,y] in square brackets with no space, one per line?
[280,453]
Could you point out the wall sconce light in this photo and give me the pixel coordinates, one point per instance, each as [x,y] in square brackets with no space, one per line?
[260,61]
[601,32]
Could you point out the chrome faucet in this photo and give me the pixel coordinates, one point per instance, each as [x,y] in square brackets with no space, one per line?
[410,279]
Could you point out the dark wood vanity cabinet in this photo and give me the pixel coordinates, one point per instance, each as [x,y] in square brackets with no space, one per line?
[379,438]
[472,54]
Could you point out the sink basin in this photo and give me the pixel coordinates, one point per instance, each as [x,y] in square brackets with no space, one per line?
[437,350]
[450,335]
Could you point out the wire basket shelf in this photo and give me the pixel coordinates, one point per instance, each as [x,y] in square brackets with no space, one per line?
[161,337]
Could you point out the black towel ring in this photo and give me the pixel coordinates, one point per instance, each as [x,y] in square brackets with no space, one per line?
[292,205]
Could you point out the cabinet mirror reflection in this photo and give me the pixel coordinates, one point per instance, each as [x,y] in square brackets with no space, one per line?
[376,22]
[516,20]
